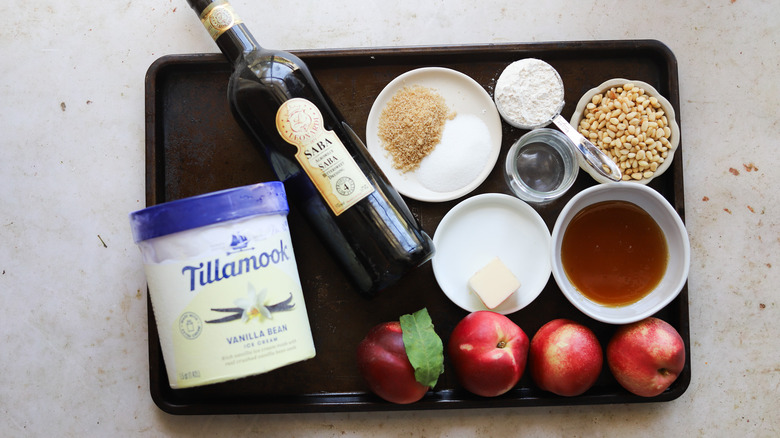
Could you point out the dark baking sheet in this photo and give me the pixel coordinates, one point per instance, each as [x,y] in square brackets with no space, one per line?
[194,146]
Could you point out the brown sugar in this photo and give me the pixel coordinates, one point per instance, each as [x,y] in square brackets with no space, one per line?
[411,125]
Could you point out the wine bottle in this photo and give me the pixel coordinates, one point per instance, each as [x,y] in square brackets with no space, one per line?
[327,171]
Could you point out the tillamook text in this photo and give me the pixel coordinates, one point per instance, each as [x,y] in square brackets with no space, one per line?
[213,271]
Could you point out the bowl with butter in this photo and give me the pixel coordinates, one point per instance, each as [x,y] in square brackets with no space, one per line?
[492,253]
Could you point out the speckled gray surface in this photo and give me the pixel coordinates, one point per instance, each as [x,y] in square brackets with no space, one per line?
[74,351]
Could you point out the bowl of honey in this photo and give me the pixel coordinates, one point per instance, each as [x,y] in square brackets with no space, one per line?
[620,252]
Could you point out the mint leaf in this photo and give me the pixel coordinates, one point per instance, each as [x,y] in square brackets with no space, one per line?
[423,347]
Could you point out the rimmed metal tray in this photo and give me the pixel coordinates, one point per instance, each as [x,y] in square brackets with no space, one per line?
[194,146]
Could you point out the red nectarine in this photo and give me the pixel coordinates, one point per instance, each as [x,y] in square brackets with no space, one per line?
[565,358]
[488,352]
[646,357]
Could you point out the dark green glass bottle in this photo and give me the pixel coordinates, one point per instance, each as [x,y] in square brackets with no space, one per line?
[327,171]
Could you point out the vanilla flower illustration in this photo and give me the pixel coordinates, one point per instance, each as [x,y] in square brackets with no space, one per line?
[254,305]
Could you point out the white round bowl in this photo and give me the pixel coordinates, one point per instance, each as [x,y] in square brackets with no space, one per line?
[667,107]
[485,226]
[465,97]
[676,238]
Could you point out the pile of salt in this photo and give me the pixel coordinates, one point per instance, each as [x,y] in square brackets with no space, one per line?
[459,158]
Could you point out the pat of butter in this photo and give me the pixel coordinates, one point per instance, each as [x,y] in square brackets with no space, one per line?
[494,283]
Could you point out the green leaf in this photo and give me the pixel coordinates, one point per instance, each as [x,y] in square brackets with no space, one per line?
[423,347]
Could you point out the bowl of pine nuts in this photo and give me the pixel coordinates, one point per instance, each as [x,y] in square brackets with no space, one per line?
[633,124]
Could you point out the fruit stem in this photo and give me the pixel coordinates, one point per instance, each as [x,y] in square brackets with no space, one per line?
[501,344]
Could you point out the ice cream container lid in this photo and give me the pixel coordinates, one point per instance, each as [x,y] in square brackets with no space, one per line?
[210,208]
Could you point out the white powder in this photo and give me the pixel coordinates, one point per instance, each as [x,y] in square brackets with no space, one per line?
[529,93]
[460,156]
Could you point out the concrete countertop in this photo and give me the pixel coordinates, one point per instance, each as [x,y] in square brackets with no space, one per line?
[74,350]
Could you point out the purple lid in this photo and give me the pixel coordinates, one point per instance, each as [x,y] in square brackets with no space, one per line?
[210,208]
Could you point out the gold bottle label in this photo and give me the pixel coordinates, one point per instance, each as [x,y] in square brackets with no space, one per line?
[322,155]
[218,17]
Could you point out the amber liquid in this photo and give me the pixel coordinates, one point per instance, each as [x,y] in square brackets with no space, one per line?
[614,253]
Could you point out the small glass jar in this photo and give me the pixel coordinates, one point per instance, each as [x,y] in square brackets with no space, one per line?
[541,166]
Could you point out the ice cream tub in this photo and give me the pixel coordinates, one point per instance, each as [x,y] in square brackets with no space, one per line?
[224,284]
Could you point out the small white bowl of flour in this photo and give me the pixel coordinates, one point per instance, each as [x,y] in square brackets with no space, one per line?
[529,92]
